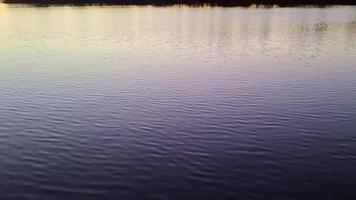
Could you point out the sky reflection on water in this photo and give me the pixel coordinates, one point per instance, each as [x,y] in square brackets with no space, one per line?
[177,102]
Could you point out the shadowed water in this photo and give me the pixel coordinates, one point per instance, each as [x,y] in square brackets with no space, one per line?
[177,103]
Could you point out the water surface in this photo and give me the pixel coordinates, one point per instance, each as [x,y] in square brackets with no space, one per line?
[177,103]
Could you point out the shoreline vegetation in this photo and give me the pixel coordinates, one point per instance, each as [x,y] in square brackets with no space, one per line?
[224,3]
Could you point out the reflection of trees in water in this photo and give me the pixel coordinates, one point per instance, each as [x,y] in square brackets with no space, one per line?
[266,3]
[304,38]
[320,27]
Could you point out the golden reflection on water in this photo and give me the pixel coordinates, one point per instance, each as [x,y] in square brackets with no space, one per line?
[177,34]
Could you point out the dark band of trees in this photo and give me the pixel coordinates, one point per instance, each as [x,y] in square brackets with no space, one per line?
[193,2]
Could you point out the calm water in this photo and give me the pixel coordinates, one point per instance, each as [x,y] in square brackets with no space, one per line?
[177,103]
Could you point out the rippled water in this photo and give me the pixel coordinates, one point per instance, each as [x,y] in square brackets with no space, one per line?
[177,103]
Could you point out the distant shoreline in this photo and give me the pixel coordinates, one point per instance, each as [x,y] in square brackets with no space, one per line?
[223,3]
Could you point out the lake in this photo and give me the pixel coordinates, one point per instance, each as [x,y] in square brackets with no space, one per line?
[129,102]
